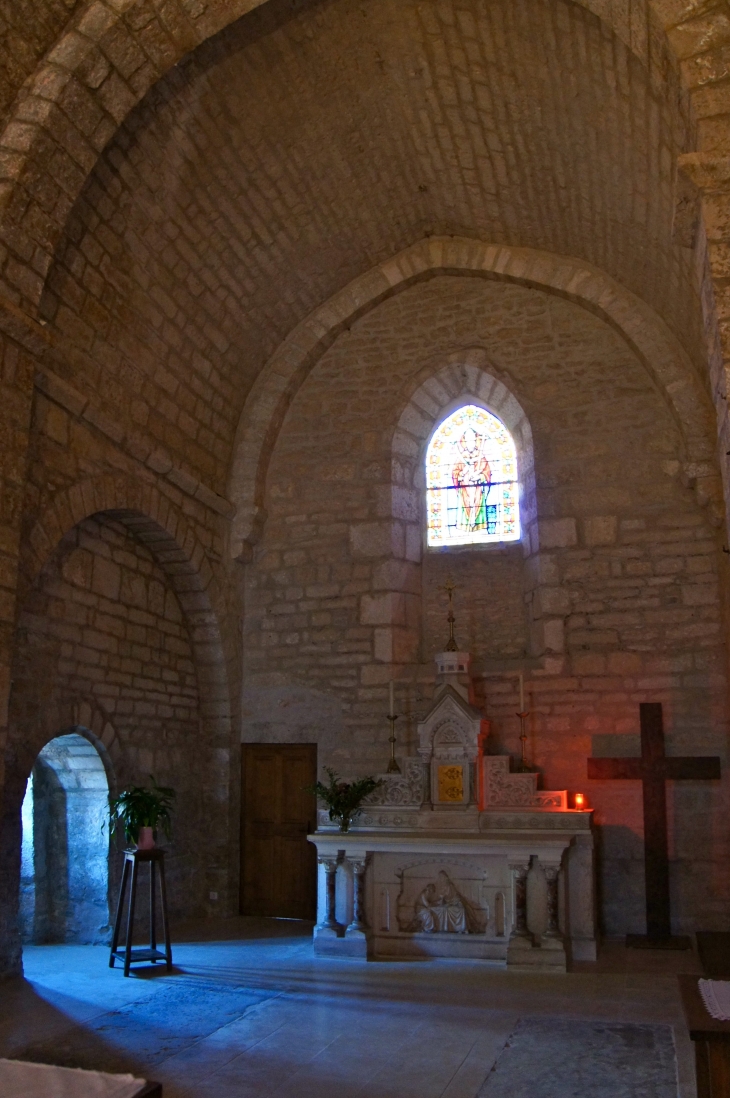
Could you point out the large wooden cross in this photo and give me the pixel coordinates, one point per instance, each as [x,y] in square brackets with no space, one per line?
[653,769]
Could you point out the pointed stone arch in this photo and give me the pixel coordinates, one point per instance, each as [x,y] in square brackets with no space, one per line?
[153,519]
[84,716]
[665,361]
[159,523]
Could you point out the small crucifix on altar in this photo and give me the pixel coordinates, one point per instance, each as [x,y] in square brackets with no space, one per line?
[653,769]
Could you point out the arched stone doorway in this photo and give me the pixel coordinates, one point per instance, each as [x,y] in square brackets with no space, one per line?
[64,885]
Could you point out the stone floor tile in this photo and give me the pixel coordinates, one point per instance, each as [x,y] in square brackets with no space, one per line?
[476,1066]
[322,1027]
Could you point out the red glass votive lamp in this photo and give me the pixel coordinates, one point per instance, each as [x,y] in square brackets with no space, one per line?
[580,800]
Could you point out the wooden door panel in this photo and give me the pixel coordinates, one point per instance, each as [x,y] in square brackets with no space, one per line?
[278,865]
[262,784]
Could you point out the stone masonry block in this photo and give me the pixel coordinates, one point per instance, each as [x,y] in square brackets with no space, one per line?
[377,539]
[550,601]
[558,533]
[383,645]
[106,578]
[625,663]
[405,645]
[600,529]
[541,568]
[396,575]
[399,503]
[414,542]
[554,634]
[386,609]
[589,663]
[396,645]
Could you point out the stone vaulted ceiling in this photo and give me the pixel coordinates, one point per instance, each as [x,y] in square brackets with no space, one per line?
[310,141]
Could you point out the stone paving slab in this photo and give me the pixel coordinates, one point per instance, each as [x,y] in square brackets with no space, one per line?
[547,1056]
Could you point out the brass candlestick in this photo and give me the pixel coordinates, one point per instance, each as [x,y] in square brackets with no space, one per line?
[449,588]
[523,768]
[393,767]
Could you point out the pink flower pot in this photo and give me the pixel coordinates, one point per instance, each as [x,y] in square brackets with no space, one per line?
[146,839]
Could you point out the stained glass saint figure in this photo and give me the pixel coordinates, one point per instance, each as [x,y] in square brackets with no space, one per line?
[471,475]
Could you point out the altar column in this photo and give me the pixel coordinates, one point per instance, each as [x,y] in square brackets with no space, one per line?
[552,939]
[519,872]
[551,876]
[358,926]
[356,934]
[329,927]
[521,945]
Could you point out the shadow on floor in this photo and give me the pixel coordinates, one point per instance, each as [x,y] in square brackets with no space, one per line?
[249,1004]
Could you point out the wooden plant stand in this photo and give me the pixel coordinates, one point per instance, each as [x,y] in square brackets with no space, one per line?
[132,860]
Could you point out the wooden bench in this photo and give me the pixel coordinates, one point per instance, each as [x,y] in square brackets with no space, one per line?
[711,1039]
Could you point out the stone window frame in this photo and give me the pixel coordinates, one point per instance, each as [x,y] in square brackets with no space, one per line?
[466,376]
[444,384]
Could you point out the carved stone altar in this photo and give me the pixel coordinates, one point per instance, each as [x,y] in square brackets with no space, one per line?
[457,856]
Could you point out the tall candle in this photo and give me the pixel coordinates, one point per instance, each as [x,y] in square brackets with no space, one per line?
[392,699]
[522,693]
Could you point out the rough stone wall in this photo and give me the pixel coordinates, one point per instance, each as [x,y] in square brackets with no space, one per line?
[627,556]
[16,390]
[104,624]
[493,617]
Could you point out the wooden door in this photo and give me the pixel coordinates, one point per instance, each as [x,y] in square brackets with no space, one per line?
[278,865]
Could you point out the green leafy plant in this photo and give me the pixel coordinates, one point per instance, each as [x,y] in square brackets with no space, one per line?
[344,799]
[137,806]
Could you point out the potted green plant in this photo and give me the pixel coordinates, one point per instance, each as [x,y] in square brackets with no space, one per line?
[344,799]
[139,811]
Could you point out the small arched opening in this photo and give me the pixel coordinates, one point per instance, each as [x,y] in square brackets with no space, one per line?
[64,885]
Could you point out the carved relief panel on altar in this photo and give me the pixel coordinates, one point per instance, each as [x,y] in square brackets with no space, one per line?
[457,896]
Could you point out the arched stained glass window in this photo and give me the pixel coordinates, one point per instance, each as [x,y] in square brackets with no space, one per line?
[471,480]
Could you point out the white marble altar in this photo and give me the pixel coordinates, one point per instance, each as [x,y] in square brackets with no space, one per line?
[457,856]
